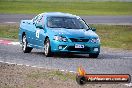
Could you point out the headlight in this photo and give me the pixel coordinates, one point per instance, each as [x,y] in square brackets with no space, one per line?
[95,40]
[60,38]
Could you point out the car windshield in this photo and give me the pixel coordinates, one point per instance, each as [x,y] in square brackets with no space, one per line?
[66,22]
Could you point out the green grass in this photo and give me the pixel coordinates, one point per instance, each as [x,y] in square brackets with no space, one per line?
[79,8]
[116,36]
[52,74]
[9,31]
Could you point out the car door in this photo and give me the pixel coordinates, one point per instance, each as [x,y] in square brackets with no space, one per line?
[39,34]
[33,32]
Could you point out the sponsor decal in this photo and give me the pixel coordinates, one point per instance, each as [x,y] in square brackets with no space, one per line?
[83,78]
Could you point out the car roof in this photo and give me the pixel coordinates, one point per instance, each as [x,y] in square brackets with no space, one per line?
[59,14]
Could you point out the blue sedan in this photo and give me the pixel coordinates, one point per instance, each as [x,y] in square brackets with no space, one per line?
[57,32]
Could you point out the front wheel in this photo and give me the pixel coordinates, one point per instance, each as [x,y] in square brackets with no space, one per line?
[93,55]
[25,49]
[47,48]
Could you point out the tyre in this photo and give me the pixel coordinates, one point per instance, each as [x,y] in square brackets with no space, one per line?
[25,49]
[47,48]
[93,55]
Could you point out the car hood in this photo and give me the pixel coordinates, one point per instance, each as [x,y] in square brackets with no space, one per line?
[75,33]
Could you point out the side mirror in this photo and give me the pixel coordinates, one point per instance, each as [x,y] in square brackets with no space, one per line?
[93,29]
[38,25]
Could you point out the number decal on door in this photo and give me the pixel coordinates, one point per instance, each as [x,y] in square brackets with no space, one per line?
[37,33]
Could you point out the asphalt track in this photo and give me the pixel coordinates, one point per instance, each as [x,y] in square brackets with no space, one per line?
[110,61]
[112,20]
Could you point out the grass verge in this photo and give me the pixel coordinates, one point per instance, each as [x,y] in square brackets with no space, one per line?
[74,7]
[115,36]
[9,31]
[64,76]
[16,76]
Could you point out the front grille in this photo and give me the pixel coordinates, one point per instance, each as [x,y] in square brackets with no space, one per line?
[72,48]
[79,40]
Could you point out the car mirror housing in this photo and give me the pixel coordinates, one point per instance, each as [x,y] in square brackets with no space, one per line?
[93,29]
[38,25]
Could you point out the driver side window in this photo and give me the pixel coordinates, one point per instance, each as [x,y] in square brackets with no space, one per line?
[35,19]
[40,20]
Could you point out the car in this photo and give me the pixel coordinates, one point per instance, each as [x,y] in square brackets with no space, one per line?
[58,32]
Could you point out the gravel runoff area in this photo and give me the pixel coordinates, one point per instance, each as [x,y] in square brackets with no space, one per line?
[20,76]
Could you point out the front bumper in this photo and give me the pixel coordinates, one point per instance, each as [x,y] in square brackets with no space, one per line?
[69,47]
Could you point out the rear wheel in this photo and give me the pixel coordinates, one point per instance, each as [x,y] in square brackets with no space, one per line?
[47,48]
[24,45]
[93,55]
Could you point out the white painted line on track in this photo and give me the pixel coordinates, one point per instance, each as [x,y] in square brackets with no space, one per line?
[72,71]
[10,22]
[20,64]
[36,66]
[14,43]
[127,57]
[27,65]
[62,70]
[7,62]
[128,85]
